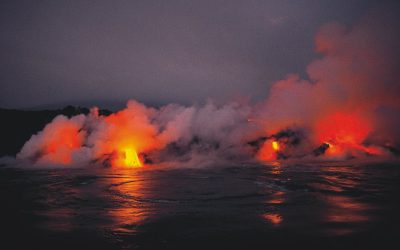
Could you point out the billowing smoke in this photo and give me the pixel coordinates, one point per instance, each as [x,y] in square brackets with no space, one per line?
[349,102]
[58,141]
[348,107]
[140,135]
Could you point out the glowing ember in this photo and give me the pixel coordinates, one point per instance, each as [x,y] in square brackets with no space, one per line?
[275,145]
[268,151]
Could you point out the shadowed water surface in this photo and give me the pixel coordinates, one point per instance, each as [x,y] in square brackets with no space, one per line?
[247,206]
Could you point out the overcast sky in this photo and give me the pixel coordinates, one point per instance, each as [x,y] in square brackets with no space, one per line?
[104,52]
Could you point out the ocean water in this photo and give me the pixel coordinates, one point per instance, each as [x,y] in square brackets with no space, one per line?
[318,206]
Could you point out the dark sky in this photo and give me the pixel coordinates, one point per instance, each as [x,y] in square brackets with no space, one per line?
[104,52]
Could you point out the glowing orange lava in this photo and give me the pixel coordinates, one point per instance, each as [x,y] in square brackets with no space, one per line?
[268,151]
[126,156]
[131,158]
[343,131]
[128,133]
[275,145]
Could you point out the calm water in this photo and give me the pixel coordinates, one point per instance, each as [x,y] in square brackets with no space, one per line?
[242,207]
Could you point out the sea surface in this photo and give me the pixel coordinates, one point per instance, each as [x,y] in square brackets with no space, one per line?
[248,206]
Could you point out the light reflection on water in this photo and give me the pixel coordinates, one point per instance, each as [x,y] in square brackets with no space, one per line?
[274,218]
[276,168]
[332,199]
[345,211]
[107,200]
[325,200]
[275,199]
[128,192]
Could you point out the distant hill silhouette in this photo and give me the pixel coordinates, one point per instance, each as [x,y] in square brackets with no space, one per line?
[17,126]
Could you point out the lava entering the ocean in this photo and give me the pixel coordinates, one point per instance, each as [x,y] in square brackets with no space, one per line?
[130,158]
[343,132]
[348,106]
[275,145]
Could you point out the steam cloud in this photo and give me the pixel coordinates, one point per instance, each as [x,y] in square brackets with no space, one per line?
[349,107]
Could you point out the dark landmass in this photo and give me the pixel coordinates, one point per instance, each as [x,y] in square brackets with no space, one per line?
[17,126]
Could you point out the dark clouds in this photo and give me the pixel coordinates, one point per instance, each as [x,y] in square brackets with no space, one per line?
[102,52]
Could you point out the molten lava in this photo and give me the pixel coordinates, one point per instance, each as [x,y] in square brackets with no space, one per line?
[126,156]
[268,151]
[275,145]
[126,134]
[131,158]
[343,131]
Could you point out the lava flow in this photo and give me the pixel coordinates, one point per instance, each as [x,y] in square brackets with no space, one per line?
[269,151]
[275,145]
[343,132]
[128,158]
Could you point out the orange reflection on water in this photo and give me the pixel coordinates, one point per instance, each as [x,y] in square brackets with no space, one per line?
[276,199]
[129,193]
[126,219]
[273,218]
[335,183]
[346,209]
[276,168]
[343,182]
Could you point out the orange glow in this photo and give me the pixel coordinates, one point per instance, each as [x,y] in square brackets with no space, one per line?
[333,150]
[275,145]
[128,133]
[268,151]
[130,158]
[60,140]
[125,153]
[344,210]
[273,218]
[126,185]
[342,131]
